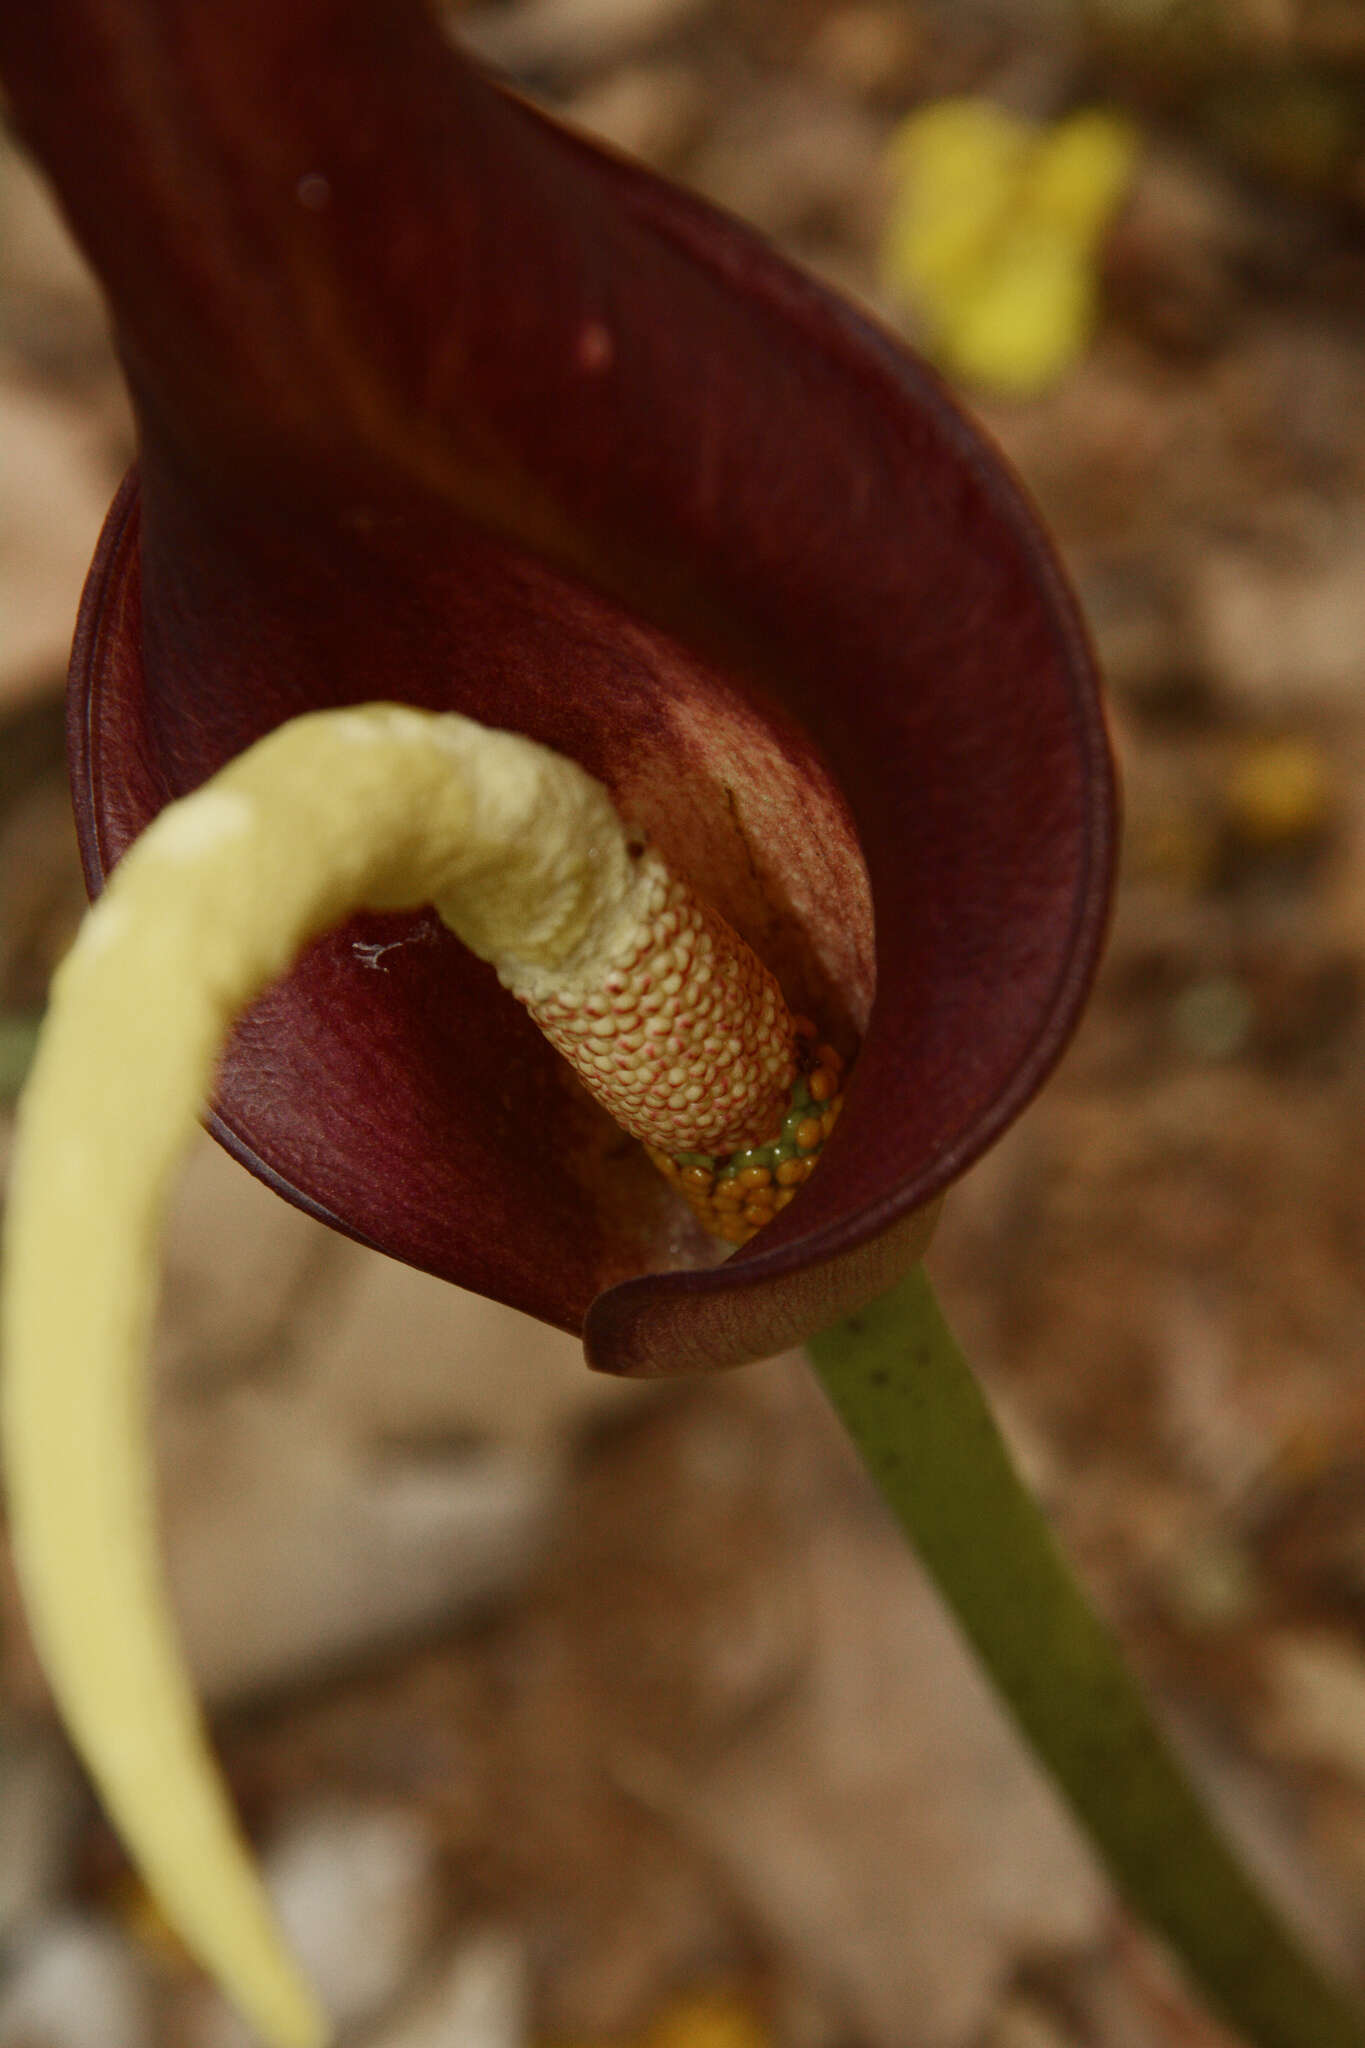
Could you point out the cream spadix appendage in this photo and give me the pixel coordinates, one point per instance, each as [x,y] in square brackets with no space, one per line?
[660,1006]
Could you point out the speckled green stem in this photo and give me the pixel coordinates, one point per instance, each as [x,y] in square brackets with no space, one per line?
[909,1400]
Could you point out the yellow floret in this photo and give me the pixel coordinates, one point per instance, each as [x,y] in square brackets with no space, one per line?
[994,231]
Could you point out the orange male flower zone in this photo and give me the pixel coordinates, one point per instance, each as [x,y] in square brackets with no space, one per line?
[687,1041]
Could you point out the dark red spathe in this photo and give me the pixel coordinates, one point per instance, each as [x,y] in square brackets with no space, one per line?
[438,403]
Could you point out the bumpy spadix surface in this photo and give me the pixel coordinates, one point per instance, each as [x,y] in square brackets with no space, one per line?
[382,807]
[681,1031]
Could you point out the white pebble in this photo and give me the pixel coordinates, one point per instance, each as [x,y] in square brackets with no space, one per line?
[355,1889]
[480,1998]
[73,1983]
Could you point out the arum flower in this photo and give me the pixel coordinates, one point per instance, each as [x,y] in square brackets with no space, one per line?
[440,406]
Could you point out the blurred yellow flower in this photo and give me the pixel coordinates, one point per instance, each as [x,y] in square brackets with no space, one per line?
[705,2019]
[993,233]
[712,2019]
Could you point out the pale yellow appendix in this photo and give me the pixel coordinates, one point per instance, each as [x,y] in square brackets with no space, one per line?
[380,807]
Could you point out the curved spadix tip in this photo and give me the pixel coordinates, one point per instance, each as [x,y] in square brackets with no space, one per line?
[520,850]
[335,811]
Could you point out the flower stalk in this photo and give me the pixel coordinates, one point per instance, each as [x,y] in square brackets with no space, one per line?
[926,1434]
